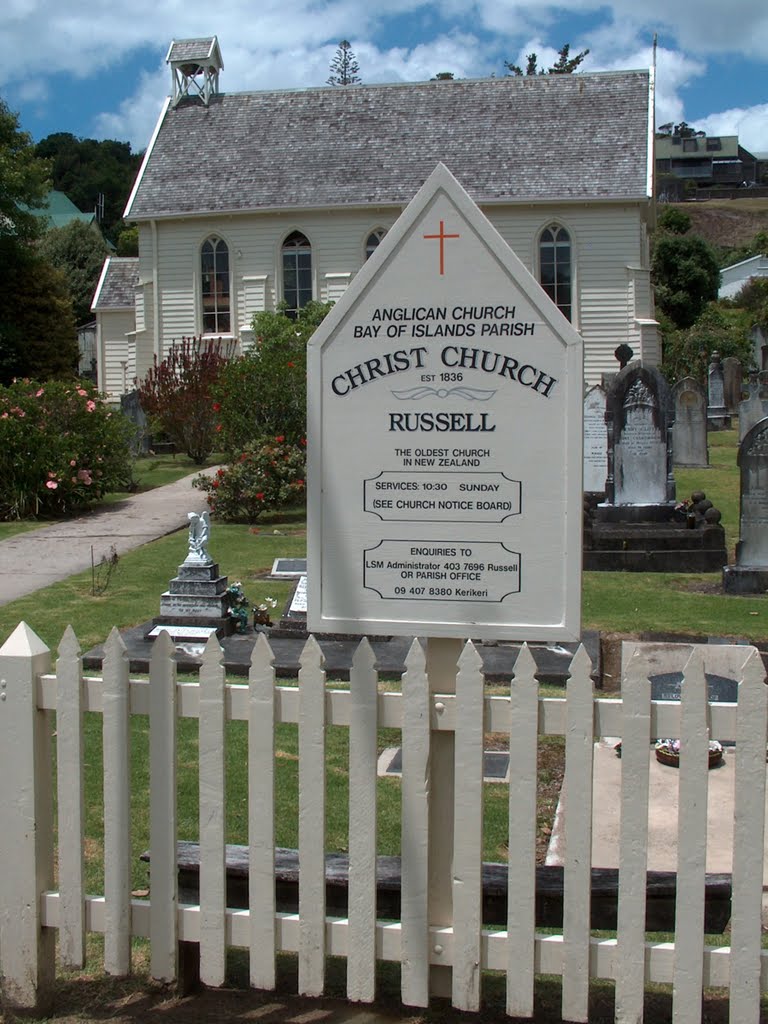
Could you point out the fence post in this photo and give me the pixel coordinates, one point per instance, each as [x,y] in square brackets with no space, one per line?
[27,949]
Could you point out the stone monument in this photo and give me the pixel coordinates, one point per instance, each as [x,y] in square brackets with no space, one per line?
[717,414]
[595,441]
[750,573]
[196,603]
[754,407]
[689,431]
[640,527]
[733,376]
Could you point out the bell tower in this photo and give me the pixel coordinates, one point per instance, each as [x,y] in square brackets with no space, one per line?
[195,66]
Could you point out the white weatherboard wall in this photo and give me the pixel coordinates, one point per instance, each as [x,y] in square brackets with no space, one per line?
[445,439]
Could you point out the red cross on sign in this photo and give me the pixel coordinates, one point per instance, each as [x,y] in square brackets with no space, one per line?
[442,236]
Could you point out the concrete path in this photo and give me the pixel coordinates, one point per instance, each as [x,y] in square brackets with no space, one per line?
[31,561]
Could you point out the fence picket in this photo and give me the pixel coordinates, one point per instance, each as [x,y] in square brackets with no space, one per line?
[579,755]
[261,814]
[521,869]
[748,842]
[468,830]
[633,842]
[163,881]
[71,803]
[415,830]
[312,820]
[117,806]
[213,878]
[363,706]
[691,844]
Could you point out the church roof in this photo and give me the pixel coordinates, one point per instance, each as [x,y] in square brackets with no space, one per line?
[544,138]
[117,284]
[59,210]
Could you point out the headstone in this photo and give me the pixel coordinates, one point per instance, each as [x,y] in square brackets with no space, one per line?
[197,595]
[458,517]
[689,431]
[665,662]
[750,573]
[639,414]
[289,568]
[759,339]
[131,407]
[717,414]
[753,408]
[733,379]
[595,441]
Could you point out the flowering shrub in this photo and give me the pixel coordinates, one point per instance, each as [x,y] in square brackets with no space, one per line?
[177,394]
[61,448]
[265,476]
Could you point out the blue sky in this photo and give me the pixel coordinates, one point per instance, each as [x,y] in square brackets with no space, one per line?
[97,69]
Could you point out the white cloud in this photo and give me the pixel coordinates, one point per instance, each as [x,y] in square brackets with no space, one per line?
[750,124]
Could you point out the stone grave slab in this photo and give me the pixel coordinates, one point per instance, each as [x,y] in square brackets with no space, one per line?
[689,431]
[750,573]
[288,568]
[717,414]
[595,441]
[495,764]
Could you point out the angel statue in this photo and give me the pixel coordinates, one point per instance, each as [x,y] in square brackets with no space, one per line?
[199,535]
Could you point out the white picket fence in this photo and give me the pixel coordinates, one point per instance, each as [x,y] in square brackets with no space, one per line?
[41,882]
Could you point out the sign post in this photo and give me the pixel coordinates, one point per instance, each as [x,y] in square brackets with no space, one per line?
[445,460]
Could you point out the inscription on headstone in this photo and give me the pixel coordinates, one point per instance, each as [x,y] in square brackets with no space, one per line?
[689,431]
[595,441]
[639,440]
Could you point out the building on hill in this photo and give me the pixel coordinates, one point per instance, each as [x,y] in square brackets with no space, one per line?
[734,277]
[708,161]
[59,210]
[116,306]
[247,200]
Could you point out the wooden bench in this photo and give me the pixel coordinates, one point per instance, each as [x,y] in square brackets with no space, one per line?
[661,888]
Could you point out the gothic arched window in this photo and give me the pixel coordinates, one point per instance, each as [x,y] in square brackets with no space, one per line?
[555,267]
[214,265]
[373,240]
[297,272]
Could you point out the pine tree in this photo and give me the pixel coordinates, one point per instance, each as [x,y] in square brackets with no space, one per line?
[564,65]
[344,67]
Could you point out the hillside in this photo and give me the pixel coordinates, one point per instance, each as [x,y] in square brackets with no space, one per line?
[727,222]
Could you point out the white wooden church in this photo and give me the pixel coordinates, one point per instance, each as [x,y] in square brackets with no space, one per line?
[247,200]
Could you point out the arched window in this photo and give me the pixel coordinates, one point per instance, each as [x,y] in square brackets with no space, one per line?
[297,272]
[214,265]
[373,240]
[555,267]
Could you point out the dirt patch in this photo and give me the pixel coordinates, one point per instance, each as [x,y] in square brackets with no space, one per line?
[728,225]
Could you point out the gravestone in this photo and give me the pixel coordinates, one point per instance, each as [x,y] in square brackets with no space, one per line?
[753,408]
[717,414]
[733,378]
[196,601]
[639,415]
[131,407]
[595,441]
[689,431]
[750,573]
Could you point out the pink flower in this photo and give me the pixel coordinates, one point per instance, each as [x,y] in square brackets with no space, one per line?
[81,392]
[90,405]
[51,484]
[40,392]
[84,475]
[72,462]
[4,416]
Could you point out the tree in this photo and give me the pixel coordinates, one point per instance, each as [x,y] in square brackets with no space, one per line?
[682,130]
[128,241]
[687,353]
[24,180]
[443,76]
[38,337]
[677,222]
[88,169]
[344,67]
[564,65]
[79,251]
[686,276]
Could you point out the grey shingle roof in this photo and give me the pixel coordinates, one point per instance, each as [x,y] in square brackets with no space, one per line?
[191,49]
[564,137]
[118,284]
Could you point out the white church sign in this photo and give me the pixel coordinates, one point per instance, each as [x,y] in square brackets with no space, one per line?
[445,440]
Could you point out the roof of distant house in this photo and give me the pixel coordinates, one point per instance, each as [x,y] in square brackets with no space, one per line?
[59,210]
[117,284]
[544,138]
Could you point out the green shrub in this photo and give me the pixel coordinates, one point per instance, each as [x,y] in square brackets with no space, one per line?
[687,353]
[264,393]
[61,448]
[266,476]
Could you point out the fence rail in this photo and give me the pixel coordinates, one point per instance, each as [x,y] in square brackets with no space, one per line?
[430,946]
